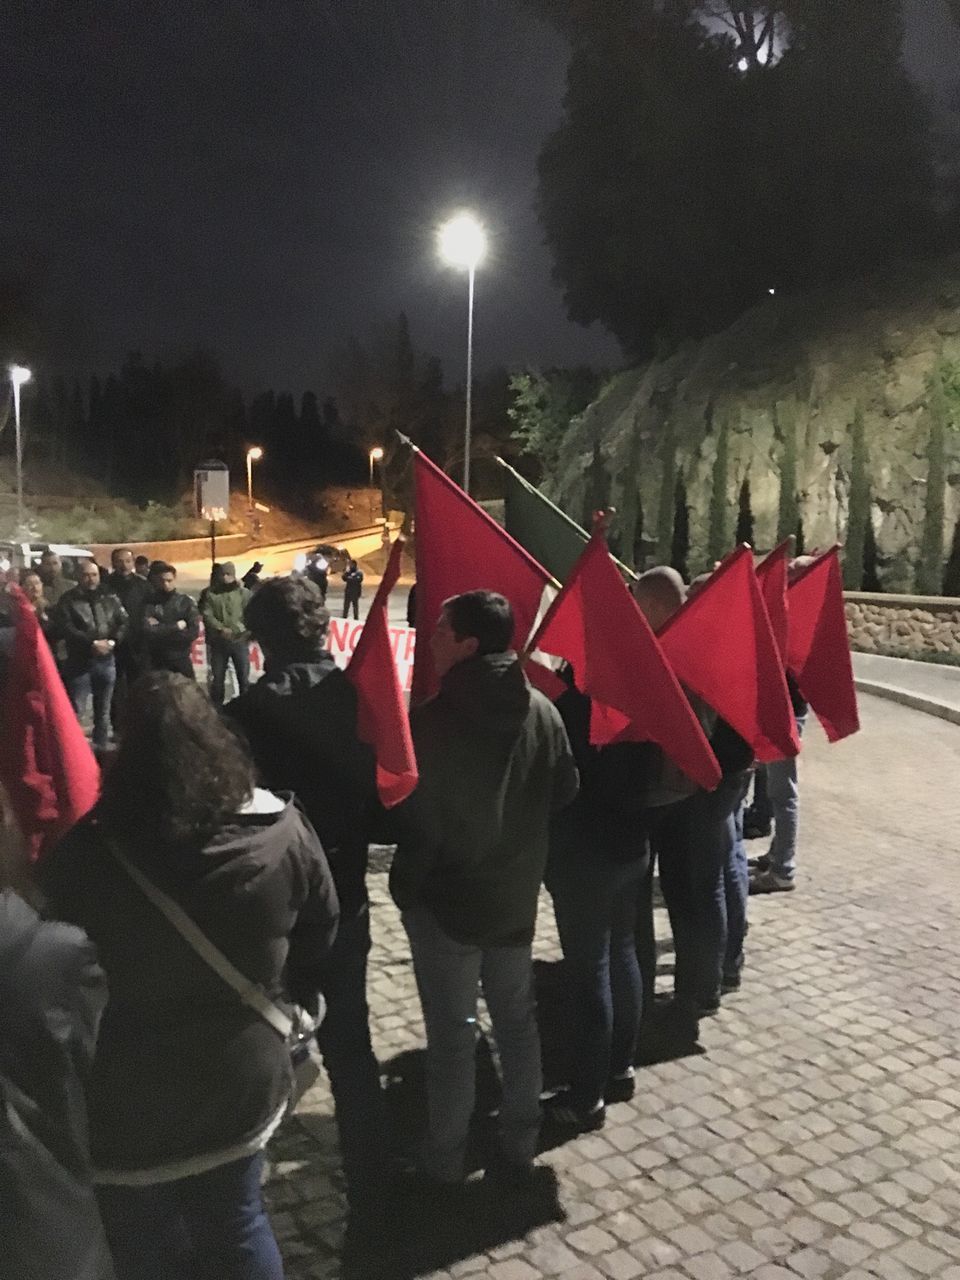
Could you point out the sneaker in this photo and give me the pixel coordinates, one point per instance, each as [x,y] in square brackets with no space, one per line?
[759,864]
[769,882]
[620,1088]
[730,982]
[562,1113]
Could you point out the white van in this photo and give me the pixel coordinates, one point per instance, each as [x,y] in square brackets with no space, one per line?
[26,555]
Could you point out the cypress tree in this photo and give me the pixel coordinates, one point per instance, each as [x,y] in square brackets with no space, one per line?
[745,530]
[871,575]
[858,515]
[930,568]
[667,505]
[785,422]
[718,528]
[680,538]
[951,575]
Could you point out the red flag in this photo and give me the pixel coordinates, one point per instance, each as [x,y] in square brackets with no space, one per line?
[721,646]
[460,548]
[772,576]
[46,764]
[595,624]
[818,652]
[381,714]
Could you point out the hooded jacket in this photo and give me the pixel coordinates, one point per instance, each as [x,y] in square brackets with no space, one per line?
[52,993]
[184,1071]
[83,616]
[223,607]
[494,764]
[300,720]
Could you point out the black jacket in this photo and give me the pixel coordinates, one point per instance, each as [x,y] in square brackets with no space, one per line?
[352,583]
[494,764]
[167,641]
[82,617]
[300,720]
[52,993]
[133,592]
[183,1068]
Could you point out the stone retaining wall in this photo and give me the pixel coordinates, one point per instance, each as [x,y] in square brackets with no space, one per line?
[904,626]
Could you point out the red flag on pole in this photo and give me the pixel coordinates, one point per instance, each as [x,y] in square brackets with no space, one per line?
[818,651]
[721,646]
[594,623]
[772,576]
[46,764]
[460,548]
[381,714]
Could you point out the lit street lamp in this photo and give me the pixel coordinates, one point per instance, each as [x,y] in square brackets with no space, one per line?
[253,455]
[18,376]
[463,243]
[376,455]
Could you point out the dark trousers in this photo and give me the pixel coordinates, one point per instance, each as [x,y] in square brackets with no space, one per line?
[351,601]
[344,1040]
[221,653]
[761,806]
[692,842]
[97,678]
[736,889]
[211,1225]
[130,665]
[595,903]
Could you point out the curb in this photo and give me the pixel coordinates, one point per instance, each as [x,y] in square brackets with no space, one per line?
[907,698]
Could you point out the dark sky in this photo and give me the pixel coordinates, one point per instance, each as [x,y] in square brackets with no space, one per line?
[264,176]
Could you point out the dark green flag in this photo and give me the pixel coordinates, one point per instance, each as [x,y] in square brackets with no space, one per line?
[551,537]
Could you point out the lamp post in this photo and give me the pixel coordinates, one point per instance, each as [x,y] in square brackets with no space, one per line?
[463,243]
[18,376]
[253,455]
[376,455]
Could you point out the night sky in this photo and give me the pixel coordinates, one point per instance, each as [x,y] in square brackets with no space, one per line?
[264,176]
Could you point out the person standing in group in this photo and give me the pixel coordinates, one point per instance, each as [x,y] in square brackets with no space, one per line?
[189,1082]
[171,623]
[32,586]
[776,871]
[352,588]
[141,566]
[228,639]
[133,592]
[318,571]
[92,623]
[251,579]
[55,583]
[300,720]
[494,764]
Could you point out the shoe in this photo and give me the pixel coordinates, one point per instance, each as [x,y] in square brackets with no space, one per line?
[753,830]
[620,1088]
[708,1008]
[667,1032]
[729,983]
[759,864]
[770,882]
[560,1112]
[513,1175]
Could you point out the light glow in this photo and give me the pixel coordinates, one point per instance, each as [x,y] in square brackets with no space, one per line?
[463,241]
[19,375]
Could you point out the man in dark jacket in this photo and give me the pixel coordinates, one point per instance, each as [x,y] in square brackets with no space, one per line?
[132,591]
[92,623]
[352,588]
[300,720]
[52,993]
[228,639]
[55,582]
[171,623]
[494,765]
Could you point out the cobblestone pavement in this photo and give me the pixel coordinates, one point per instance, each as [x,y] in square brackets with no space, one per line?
[818,1135]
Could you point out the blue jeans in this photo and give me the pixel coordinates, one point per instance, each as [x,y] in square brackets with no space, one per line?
[448,976]
[221,653]
[736,890]
[784,793]
[595,903]
[692,841]
[211,1225]
[96,677]
[344,1042]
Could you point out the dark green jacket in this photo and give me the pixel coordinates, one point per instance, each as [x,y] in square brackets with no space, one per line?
[223,608]
[494,764]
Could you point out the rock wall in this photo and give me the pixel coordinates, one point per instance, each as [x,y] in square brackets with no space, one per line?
[904,626]
[785,379]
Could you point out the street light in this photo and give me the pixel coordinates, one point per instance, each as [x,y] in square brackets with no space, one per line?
[18,376]
[253,455]
[376,455]
[463,243]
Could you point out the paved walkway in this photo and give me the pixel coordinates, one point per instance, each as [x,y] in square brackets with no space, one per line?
[926,686]
[818,1136]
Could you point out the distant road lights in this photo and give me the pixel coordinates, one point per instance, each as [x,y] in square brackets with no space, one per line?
[254,454]
[18,376]
[463,243]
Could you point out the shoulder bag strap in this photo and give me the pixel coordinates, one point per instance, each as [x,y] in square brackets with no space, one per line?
[250,994]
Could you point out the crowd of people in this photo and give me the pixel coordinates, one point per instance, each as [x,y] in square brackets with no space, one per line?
[256,820]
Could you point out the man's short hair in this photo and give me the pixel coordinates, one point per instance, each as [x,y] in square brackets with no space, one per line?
[486,616]
[159,567]
[286,616]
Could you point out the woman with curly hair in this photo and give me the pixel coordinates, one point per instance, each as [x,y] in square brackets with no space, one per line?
[189,1083]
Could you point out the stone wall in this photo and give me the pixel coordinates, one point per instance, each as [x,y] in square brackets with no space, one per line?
[904,626]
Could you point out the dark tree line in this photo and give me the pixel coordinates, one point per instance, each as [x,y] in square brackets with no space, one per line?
[710,151]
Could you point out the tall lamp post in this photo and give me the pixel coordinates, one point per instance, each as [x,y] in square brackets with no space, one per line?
[463,243]
[375,455]
[253,455]
[18,376]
